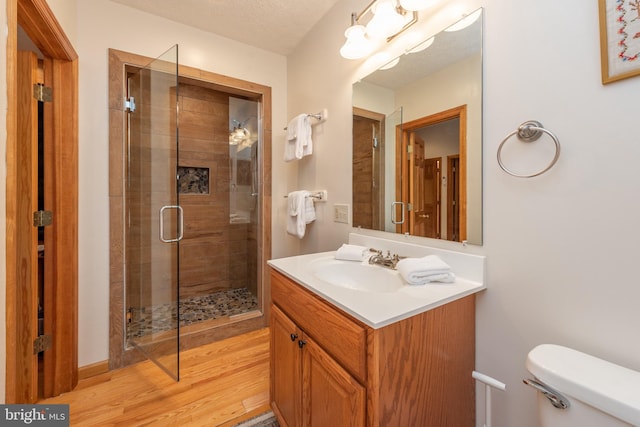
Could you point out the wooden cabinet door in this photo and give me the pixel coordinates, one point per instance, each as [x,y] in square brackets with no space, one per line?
[330,395]
[286,368]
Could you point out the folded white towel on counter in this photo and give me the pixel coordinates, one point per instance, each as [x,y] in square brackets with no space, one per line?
[296,213]
[348,252]
[419,271]
[298,143]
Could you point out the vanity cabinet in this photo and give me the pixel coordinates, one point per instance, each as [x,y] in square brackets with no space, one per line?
[308,381]
[330,369]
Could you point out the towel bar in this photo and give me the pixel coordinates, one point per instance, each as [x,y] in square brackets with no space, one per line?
[317,196]
[321,116]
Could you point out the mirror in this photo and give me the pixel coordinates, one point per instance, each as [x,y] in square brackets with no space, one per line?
[417,140]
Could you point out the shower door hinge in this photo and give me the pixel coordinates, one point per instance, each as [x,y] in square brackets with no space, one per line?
[42,218]
[42,93]
[42,343]
[130,104]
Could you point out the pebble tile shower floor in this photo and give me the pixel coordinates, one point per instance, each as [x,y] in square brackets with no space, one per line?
[159,318]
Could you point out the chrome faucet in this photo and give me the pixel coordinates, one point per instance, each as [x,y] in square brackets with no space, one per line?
[387,260]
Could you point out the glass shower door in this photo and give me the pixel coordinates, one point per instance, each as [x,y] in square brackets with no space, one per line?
[153,216]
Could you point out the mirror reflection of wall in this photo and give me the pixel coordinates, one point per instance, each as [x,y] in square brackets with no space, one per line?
[445,76]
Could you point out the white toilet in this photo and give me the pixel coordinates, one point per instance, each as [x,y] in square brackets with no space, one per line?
[596,393]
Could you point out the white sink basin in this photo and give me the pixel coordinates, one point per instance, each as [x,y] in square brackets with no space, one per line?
[356,275]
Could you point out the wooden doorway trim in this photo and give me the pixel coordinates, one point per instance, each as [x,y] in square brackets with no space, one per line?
[61,197]
[459,112]
[453,195]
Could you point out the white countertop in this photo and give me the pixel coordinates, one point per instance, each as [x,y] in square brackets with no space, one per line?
[376,309]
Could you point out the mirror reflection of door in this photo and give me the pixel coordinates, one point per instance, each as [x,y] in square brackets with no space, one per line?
[368,169]
[435,149]
[424,191]
[453,197]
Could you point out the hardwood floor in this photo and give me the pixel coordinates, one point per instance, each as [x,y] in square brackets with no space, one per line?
[221,384]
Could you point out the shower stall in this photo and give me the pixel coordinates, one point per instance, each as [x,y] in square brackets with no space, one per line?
[194,202]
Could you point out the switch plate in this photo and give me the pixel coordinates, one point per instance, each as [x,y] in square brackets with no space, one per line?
[341,213]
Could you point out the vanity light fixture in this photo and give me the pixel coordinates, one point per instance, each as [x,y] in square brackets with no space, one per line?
[385,19]
[239,133]
[357,44]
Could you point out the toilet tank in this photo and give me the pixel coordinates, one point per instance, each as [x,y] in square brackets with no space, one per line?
[601,394]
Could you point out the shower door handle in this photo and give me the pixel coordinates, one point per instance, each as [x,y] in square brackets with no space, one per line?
[180,223]
[394,220]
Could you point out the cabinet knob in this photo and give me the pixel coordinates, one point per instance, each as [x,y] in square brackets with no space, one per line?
[293,337]
[301,343]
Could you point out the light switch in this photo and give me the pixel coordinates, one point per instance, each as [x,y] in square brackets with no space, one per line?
[341,213]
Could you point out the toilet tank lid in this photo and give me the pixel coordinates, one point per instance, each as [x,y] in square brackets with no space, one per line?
[610,388]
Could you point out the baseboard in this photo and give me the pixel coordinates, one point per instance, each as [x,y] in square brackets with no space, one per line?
[92,370]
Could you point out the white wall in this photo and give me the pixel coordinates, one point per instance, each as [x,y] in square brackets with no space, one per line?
[561,248]
[101,25]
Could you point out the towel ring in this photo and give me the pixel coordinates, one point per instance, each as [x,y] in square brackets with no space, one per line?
[528,132]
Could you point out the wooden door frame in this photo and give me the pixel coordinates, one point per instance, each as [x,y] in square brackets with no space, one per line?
[450,193]
[402,134]
[61,74]
[438,210]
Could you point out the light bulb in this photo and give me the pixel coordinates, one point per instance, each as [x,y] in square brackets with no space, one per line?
[357,46]
[386,20]
[238,135]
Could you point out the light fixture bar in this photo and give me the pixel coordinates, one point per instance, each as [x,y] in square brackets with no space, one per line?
[355,17]
[359,39]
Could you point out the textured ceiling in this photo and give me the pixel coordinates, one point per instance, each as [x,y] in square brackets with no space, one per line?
[274,25]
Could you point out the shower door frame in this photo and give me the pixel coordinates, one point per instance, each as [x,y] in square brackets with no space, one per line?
[120,63]
[153,215]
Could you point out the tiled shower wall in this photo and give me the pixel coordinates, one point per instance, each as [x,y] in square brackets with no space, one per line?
[367,197]
[214,254]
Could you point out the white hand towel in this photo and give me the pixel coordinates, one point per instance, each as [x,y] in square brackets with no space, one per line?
[292,127]
[298,141]
[418,271]
[351,252]
[305,136]
[296,222]
[309,210]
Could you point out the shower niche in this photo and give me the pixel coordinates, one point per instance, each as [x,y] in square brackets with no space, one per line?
[193,180]
[190,210]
